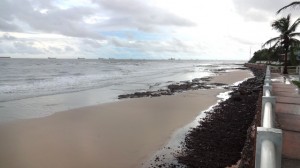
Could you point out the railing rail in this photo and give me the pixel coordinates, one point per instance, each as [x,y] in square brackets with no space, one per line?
[291,69]
[268,138]
[268,116]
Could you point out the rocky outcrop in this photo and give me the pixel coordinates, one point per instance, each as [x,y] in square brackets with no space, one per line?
[197,83]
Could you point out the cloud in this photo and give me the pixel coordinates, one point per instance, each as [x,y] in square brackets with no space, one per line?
[26,48]
[170,46]
[258,10]
[84,21]
[55,49]
[11,44]
[25,15]
[69,49]
[7,26]
[139,14]
[111,28]
[242,40]
[92,43]
[7,37]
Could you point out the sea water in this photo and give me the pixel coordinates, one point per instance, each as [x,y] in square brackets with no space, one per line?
[31,88]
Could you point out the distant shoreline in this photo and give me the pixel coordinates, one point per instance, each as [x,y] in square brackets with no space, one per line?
[127,59]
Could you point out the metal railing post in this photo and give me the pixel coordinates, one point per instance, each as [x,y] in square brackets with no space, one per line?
[268,138]
[264,159]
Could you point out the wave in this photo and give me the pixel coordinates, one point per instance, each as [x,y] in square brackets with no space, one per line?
[30,77]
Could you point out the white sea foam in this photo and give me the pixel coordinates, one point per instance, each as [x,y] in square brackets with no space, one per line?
[66,84]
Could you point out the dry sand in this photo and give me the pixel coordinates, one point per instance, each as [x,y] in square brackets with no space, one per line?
[115,135]
[230,77]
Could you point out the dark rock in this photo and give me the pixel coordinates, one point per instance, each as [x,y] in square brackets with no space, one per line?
[196,80]
[194,86]
[165,92]
[205,79]
[220,137]
[155,94]
[237,98]
[123,96]
[218,84]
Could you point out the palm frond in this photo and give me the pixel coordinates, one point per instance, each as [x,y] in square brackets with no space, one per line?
[295,42]
[282,24]
[294,26]
[294,34]
[275,45]
[275,39]
[274,48]
[293,4]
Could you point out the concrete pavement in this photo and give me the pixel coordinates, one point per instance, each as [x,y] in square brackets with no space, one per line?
[288,117]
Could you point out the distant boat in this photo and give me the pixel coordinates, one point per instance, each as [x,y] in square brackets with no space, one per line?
[5,57]
[51,58]
[80,58]
[172,59]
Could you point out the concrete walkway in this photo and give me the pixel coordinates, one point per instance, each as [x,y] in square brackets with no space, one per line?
[288,118]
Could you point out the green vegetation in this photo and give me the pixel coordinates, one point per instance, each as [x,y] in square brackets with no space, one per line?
[284,44]
[297,83]
[286,39]
[271,54]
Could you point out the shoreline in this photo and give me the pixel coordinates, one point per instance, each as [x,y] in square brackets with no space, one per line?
[96,136]
[47,105]
[219,139]
[166,154]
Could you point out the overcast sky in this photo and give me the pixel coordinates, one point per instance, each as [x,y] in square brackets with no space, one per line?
[143,29]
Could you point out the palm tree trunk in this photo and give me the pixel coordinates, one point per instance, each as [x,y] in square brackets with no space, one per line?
[285,62]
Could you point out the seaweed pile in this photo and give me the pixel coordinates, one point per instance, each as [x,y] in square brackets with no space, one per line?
[220,137]
[225,136]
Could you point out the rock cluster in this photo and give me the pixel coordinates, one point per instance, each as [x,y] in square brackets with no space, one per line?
[197,83]
[248,152]
[220,137]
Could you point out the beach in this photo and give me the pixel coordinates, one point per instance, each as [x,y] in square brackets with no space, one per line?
[119,134]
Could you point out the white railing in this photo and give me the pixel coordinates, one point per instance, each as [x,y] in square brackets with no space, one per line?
[268,138]
[291,69]
[268,116]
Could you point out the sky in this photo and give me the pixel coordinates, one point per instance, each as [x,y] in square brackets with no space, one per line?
[137,29]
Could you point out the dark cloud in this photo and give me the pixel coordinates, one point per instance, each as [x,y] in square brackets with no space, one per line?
[21,15]
[44,16]
[68,22]
[7,26]
[7,37]
[259,10]
[139,14]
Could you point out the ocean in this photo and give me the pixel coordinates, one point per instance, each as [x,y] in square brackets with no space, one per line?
[31,88]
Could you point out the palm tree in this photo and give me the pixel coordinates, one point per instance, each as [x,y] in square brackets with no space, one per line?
[293,4]
[286,37]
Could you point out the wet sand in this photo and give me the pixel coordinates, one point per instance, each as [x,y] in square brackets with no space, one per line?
[120,134]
